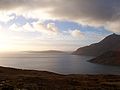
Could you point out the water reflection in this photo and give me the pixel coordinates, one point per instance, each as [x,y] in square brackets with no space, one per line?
[60,63]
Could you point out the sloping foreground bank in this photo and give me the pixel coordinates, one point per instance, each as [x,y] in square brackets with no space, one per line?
[16,79]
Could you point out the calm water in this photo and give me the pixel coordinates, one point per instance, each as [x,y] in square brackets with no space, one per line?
[60,63]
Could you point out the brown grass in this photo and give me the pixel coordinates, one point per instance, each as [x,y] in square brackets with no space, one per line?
[16,79]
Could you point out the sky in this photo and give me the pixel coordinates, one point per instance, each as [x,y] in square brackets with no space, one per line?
[56,24]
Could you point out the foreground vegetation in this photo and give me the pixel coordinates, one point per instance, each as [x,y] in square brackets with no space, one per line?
[16,79]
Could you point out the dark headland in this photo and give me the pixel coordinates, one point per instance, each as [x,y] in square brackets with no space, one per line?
[17,79]
[109,43]
[108,58]
[106,51]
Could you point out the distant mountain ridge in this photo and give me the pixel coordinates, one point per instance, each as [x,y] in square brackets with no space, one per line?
[109,43]
[47,51]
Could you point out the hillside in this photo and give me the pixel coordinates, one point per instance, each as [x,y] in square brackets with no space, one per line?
[48,51]
[109,58]
[111,42]
[17,79]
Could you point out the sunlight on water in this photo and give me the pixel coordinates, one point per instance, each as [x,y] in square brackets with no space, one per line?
[60,63]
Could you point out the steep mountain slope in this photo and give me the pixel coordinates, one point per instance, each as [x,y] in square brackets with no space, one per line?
[110,58]
[111,42]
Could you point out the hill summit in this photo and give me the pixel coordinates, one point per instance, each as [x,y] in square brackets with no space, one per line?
[109,43]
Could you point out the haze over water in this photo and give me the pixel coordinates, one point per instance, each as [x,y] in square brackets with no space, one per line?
[60,63]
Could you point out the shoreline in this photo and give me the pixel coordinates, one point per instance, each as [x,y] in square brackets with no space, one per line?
[22,79]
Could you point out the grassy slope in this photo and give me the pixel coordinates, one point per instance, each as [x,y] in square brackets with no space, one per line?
[41,80]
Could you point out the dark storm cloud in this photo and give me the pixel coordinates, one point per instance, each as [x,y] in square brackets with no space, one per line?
[96,11]
[92,9]
[12,4]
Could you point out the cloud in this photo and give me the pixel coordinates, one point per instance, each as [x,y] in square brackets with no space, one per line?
[50,28]
[76,34]
[25,28]
[13,4]
[96,13]
[47,31]
[4,17]
[39,27]
[113,26]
